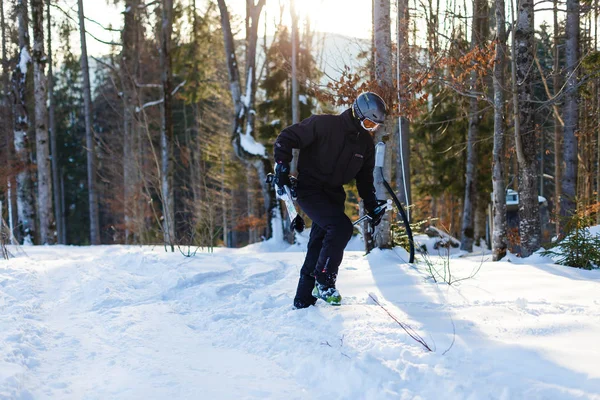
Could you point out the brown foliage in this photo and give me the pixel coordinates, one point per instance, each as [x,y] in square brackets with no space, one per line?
[250,222]
[350,85]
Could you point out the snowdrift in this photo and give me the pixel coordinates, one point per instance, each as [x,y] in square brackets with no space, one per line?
[119,322]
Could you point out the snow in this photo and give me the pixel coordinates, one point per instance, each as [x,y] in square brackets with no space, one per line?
[126,322]
[252,146]
[24,59]
[247,97]
[302,99]
[275,122]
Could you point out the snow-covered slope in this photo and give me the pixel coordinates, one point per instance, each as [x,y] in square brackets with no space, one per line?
[117,322]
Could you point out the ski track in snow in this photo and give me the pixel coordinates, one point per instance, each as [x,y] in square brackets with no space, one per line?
[119,322]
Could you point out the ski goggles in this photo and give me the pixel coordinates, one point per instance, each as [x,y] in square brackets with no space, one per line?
[369,125]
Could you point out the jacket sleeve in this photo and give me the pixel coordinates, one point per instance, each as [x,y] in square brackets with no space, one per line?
[364,181]
[297,136]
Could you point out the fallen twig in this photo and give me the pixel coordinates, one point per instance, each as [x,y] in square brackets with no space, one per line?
[453,337]
[407,328]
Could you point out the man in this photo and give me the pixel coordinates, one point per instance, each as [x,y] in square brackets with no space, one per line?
[334,149]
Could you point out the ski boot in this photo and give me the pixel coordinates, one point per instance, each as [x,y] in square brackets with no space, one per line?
[304,296]
[328,294]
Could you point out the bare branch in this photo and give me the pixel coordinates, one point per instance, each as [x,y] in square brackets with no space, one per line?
[112,67]
[149,4]
[157,102]
[102,26]
[147,85]
[545,82]
[86,31]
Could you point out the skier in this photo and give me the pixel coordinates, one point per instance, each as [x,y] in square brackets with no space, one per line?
[334,149]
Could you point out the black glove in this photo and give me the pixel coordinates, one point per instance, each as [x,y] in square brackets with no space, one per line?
[282,175]
[376,211]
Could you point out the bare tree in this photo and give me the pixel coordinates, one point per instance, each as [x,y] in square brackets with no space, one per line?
[56,187]
[597,113]
[469,205]
[525,131]
[166,134]
[295,94]
[383,74]
[499,244]
[571,112]
[129,73]
[403,159]
[250,152]
[597,11]
[25,194]
[8,129]
[89,134]
[558,128]
[44,170]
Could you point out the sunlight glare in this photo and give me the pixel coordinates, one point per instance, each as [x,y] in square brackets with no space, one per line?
[345,17]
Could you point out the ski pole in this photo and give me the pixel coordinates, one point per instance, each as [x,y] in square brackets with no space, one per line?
[379,162]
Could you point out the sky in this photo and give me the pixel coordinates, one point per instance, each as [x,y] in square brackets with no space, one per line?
[346,17]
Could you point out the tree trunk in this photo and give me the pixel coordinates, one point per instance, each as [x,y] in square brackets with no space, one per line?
[558,129]
[499,244]
[129,74]
[295,98]
[597,116]
[295,93]
[56,187]
[525,135]
[8,132]
[480,220]
[166,137]
[24,179]
[468,229]
[251,153]
[383,74]
[197,172]
[403,126]
[225,222]
[89,134]
[568,204]
[44,170]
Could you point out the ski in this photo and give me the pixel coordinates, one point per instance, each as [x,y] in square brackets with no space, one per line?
[288,195]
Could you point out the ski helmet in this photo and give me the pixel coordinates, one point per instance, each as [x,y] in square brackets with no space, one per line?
[370,110]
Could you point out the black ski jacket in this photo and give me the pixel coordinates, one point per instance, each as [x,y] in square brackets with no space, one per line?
[334,150]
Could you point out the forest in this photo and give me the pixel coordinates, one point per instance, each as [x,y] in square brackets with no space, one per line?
[167,138]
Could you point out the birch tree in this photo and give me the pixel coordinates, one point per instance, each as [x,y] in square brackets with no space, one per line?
[499,244]
[44,171]
[525,131]
[571,112]
[25,194]
[89,135]
[56,186]
[166,134]
[246,148]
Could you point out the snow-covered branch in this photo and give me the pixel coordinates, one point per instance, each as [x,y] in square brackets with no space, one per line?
[160,101]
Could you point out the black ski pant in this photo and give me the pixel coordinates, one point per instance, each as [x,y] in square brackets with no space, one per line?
[331,230]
